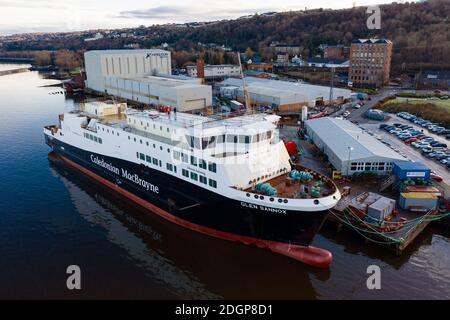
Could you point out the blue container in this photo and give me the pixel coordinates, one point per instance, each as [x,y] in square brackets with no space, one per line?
[405,170]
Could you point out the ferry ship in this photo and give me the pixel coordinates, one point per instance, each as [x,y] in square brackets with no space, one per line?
[227,177]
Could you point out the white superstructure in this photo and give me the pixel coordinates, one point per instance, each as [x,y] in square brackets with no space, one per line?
[226,156]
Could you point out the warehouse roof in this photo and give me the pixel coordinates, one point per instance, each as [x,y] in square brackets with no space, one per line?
[408,165]
[308,91]
[164,81]
[125,51]
[341,134]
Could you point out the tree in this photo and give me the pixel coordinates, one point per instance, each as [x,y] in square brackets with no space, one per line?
[67,60]
[249,53]
[43,58]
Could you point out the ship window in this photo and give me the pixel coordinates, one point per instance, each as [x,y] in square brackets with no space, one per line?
[269,134]
[168,150]
[148,159]
[146,143]
[193,161]
[203,179]
[212,183]
[142,156]
[221,139]
[247,139]
[168,130]
[175,169]
[169,166]
[194,176]
[117,134]
[242,139]
[134,139]
[160,163]
[160,148]
[100,140]
[137,154]
[185,173]
[212,167]
[185,157]
[155,161]
[140,141]
[176,155]
[107,130]
[95,139]
[202,164]
[129,138]
[232,138]
[91,137]
[197,143]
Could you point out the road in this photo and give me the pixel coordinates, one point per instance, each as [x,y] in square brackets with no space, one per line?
[358,114]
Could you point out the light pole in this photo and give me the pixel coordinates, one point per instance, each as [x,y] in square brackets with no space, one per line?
[348,163]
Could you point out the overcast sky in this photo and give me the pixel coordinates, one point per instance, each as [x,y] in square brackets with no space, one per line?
[17,16]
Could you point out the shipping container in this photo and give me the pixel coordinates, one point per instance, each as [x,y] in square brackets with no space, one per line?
[381,209]
[416,201]
[405,170]
[423,189]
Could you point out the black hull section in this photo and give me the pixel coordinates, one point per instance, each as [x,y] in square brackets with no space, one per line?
[199,206]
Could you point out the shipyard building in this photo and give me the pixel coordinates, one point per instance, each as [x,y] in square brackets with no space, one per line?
[283,96]
[350,149]
[144,76]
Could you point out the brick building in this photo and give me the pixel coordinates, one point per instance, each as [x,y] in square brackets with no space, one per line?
[370,62]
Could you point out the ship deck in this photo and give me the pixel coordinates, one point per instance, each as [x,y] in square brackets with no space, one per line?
[289,189]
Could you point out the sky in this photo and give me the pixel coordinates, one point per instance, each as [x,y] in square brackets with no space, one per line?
[20,16]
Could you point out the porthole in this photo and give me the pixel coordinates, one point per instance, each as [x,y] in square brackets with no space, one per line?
[285,200]
[256,196]
[316,202]
[248,194]
[271,199]
[261,197]
[280,201]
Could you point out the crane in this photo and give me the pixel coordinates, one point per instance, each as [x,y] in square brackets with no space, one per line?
[244,87]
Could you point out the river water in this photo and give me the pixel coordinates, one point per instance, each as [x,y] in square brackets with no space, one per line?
[52,217]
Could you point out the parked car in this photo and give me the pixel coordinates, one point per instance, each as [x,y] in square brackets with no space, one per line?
[426,150]
[411,140]
[436,177]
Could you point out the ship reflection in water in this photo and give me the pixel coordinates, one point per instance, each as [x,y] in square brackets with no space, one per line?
[191,265]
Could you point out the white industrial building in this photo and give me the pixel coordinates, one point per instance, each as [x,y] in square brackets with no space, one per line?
[100,64]
[215,71]
[184,94]
[144,76]
[283,95]
[350,149]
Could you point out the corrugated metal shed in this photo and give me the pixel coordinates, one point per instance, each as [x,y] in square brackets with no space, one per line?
[340,135]
[305,92]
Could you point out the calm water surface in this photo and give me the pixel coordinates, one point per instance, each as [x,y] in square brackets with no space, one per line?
[13,66]
[51,217]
